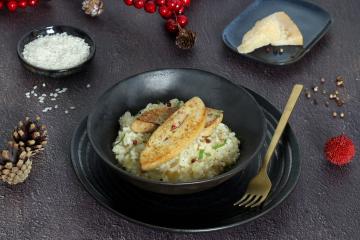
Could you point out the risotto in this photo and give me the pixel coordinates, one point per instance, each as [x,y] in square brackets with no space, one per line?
[205,158]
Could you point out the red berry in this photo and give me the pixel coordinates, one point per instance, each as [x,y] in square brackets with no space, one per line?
[165,12]
[182,20]
[171,4]
[1,5]
[186,3]
[160,2]
[33,3]
[12,5]
[171,26]
[22,3]
[139,3]
[150,7]
[129,2]
[178,5]
[181,11]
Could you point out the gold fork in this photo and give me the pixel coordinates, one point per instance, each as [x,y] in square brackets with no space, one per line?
[260,186]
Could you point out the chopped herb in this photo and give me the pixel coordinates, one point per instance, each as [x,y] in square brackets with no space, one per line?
[201,154]
[208,154]
[216,146]
[122,138]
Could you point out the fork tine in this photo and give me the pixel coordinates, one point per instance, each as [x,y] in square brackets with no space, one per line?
[262,199]
[242,199]
[251,197]
[253,201]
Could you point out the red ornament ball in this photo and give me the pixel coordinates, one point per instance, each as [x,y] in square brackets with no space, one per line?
[139,3]
[339,150]
[182,20]
[22,3]
[12,5]
[33,3]
[1,5]
[150,7]
[129,2]
[171,26]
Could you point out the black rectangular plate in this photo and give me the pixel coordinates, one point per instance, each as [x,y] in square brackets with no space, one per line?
[312,20]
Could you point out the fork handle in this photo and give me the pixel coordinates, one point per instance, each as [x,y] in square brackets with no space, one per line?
[289,107]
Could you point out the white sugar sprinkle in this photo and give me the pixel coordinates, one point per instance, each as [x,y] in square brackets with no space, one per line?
[56,106]
[58,89]
[35,94]
[44,85]
[53,99]
[88,85]
[32,92]
[55,95]
[72,107]
[35,87]
[66,111]
[44,95]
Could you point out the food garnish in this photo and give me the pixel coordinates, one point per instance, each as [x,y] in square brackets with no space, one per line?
[217,146]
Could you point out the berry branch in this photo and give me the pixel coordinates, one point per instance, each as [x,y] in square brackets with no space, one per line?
[173,12]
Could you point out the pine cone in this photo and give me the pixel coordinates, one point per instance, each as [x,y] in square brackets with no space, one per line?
[15,165]
[93,7]
[31,136]
[185,39]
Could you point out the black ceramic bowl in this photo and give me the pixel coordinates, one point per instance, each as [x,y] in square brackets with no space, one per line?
[241,113]
[49,31]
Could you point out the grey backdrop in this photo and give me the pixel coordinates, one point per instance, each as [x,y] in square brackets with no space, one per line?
[52,204]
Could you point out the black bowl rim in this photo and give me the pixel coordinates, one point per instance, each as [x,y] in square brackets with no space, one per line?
[88,59]
[231,172]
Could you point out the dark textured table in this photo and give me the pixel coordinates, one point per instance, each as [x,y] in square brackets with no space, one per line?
[52,204]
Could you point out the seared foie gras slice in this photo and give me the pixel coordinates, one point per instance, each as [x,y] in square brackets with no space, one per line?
[150,120]
[143,127]
[175,134]
[213,118]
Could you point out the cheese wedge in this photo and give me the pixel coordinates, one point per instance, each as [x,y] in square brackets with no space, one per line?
[175,134]
[276,29]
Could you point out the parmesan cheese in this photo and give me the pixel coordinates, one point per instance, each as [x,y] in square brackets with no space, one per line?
[276,29]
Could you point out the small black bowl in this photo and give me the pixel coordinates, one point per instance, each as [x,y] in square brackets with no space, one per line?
[241,113]
[30,36]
